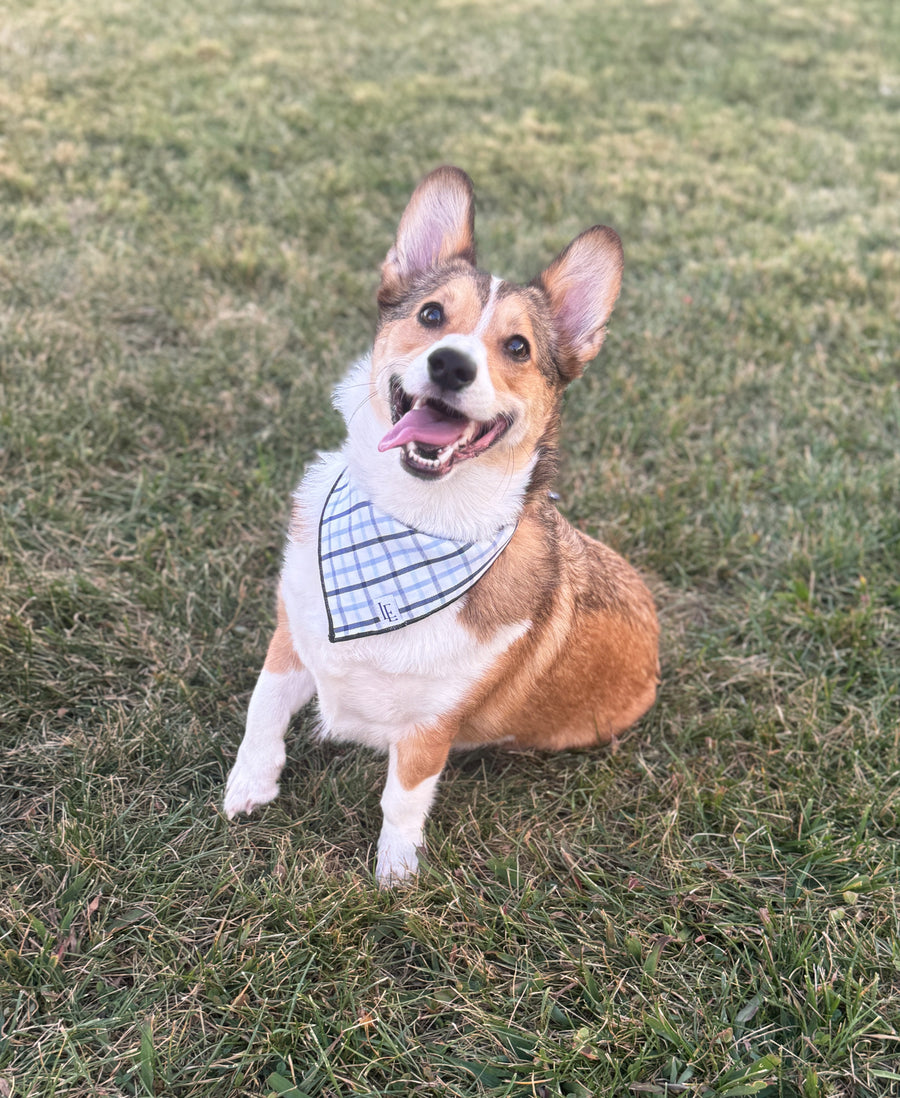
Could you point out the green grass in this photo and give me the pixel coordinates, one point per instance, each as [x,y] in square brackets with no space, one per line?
[194,201]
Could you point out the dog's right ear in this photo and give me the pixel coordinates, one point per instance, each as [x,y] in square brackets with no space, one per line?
[438,225]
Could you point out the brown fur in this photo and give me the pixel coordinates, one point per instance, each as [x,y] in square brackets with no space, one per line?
[423,755]
[281,656]
[587,668]
[520,310]
[555,646]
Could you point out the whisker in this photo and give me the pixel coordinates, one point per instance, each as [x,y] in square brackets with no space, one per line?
[359,408]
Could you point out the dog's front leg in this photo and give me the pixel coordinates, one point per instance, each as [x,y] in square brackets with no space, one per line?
[284,686]
[253,780]
[414,766]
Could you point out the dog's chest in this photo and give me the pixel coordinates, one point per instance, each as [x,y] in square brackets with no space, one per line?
[376,689]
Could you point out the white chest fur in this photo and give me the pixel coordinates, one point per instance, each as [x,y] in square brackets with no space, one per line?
[377,690]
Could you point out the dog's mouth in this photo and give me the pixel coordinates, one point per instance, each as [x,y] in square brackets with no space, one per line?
[434,437]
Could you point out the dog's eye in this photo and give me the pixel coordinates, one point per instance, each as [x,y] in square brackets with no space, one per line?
[517,347]
[431,315]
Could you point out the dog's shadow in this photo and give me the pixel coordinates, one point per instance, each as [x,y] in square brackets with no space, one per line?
[489,799]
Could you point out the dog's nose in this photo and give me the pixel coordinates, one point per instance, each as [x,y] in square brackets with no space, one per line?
[451,369]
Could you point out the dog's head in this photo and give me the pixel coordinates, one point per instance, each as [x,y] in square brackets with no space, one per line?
[467,370]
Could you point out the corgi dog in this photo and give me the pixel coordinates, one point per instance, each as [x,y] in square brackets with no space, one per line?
[432,596]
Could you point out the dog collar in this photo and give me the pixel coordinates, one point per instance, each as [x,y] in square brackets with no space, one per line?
[379,575]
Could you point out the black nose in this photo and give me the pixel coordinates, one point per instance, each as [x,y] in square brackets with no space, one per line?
[451,369]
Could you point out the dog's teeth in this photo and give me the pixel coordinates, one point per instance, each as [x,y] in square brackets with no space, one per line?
[413,455]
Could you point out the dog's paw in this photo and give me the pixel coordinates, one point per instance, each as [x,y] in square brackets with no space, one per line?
[246,790]
[398,862]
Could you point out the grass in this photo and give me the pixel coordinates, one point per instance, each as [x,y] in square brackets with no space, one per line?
[195,201]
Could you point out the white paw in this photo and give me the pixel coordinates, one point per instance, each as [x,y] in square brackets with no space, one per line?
[247,789]
[398,861]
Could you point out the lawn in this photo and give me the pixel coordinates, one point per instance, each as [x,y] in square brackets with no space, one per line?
[194,202]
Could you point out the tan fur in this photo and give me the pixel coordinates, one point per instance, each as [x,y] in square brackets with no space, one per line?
[423,755]
[463,307]
[587,668]
[281,656]
[402,339]
[563,631]
[522,380]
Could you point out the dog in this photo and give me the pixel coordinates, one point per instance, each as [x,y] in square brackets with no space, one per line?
[432,596]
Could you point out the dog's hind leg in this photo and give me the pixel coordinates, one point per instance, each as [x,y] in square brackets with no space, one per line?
[414,767]
[284,686]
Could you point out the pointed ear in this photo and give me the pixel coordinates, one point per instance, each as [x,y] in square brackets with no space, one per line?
[582,284]
[437,225]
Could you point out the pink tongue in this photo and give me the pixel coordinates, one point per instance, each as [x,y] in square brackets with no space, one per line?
[424,425]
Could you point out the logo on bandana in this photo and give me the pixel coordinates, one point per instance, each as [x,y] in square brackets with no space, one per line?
[379,575]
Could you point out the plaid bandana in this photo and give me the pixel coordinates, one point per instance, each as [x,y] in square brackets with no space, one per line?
[379,575]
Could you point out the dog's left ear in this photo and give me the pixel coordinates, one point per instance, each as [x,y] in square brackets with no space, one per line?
[582,285]
[438,225]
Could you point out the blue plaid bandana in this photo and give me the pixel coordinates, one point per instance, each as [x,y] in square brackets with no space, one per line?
[379,575]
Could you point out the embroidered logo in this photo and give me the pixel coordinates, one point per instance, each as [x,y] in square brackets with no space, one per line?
[387,608]
[379,575]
